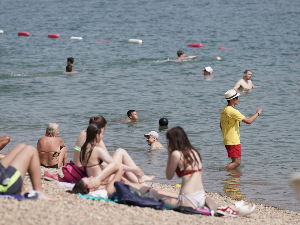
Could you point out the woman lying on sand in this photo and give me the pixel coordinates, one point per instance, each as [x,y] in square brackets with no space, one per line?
[185,161]
[13,168]
[92,156]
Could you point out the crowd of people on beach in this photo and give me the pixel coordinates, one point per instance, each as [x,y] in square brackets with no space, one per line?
[103,170]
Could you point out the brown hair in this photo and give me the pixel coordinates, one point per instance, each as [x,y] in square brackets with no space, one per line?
[91,132]
[179,53]
[80,187]
[98,119]
[179,141]
[246,71]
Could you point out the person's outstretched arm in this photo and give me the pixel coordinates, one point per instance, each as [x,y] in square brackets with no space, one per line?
[252,118]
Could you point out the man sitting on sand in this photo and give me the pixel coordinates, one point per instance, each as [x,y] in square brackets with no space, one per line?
[133,117]
[52,150]
[152,140]
[245,83]
[181,56]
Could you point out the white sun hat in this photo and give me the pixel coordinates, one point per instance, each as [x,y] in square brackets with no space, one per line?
[231,94]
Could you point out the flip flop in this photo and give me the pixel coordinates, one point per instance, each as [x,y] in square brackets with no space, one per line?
[244,210]
[32,195]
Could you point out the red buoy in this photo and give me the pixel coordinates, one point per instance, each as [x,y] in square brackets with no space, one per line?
[23,34]
[53,35]
[195,45]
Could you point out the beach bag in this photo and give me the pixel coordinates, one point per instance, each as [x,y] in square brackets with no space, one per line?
[73,173]
[128,195]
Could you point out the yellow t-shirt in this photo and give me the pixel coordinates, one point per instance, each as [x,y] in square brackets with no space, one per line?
[229,120]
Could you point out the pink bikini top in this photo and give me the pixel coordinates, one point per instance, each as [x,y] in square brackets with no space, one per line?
[181,173]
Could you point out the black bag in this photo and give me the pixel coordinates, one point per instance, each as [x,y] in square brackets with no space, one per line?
[128,195]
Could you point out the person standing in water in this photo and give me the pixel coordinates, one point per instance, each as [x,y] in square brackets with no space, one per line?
[229,124]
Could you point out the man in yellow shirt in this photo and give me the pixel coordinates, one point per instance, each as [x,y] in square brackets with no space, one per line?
[229,124]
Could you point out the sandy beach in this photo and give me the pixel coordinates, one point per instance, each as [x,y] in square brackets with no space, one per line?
[71,209]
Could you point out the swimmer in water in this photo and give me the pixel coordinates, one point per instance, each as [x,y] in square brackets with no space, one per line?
[152,140]
[133,117]
[245,83]
[70,61]
[207,71]
[181,56]
[69,69]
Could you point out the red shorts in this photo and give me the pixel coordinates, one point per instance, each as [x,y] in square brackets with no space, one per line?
[234,150]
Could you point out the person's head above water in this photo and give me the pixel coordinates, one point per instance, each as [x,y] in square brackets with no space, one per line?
[151,137]
[132,114]
[180,53]
[98,119]
[163,122]
[68,68]
[70,61]
[52,130]
[208,70]
[247,75]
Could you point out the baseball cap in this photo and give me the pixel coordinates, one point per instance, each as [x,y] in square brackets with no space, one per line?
[152,133]
[208,69]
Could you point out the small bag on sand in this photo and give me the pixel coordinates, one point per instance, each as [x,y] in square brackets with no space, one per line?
[73,173]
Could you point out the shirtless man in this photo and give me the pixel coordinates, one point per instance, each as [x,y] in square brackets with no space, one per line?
[132,116]
[245,83]
[152,140]
[52,150]
[181,56]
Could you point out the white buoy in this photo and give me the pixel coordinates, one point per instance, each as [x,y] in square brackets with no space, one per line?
[135,41]
[1,31]
[77,38]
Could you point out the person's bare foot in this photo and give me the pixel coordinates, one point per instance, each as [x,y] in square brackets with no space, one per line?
[47,198]
[145,178]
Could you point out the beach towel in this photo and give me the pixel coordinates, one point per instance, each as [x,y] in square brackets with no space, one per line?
[128,195]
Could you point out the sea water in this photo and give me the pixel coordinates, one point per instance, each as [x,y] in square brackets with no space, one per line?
[115,76]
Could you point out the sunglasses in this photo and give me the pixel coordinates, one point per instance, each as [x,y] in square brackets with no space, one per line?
[236,98]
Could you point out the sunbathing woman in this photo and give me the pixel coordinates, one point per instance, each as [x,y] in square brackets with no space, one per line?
[13,168]
[185,161]
[92,156]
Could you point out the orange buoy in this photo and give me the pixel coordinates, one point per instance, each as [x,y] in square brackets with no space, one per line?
[53,35]
[195,45]
[23,34]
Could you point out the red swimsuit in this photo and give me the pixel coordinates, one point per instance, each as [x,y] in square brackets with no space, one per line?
[181,173]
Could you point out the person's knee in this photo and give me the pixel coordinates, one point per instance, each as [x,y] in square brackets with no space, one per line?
[6,139]
[120,151]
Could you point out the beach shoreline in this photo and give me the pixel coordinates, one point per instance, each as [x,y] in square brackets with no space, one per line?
[72,209]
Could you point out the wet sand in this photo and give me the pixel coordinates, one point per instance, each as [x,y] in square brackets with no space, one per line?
[71,209]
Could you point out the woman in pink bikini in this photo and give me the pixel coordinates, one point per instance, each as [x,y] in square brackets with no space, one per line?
[185,161]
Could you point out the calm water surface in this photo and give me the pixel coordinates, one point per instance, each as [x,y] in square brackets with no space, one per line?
[116,76]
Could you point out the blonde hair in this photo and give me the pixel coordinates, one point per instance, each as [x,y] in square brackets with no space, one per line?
[51,129]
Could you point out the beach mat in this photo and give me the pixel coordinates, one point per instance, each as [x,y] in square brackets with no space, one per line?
[96,198]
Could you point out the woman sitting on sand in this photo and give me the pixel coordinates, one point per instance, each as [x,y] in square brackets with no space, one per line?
[13,168]
[92,156]
[185,161]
